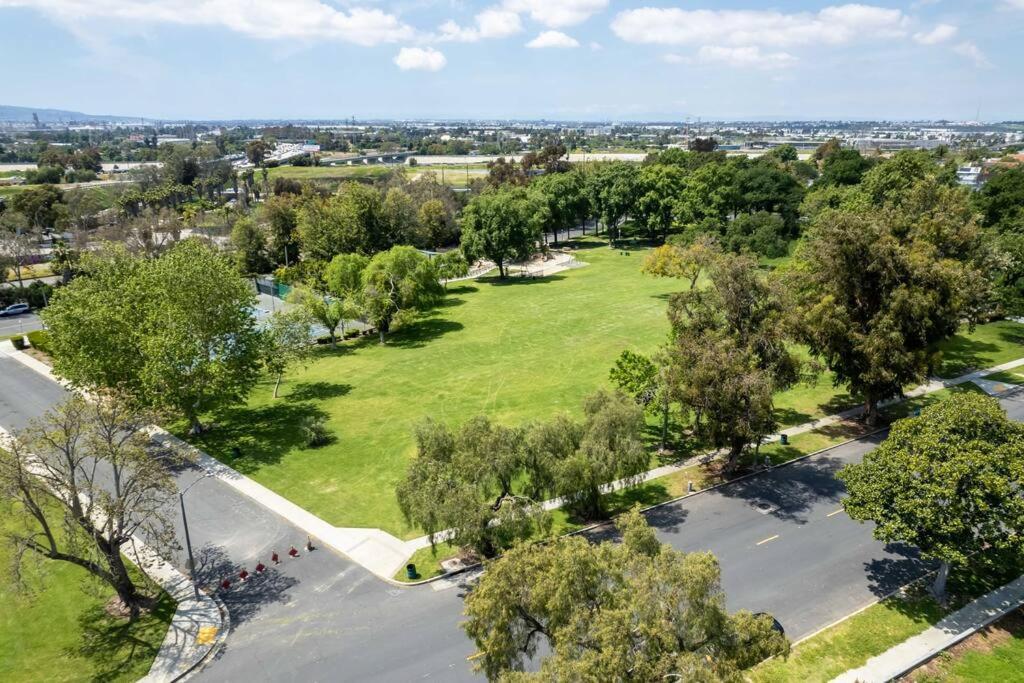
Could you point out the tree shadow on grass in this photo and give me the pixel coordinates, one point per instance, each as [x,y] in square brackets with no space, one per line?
[419,333]
[244,599]
[115,646]
[961,355]
[512,280]
[262,435]
[317,391]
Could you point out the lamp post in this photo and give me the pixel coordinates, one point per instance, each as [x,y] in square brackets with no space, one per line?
[188,540]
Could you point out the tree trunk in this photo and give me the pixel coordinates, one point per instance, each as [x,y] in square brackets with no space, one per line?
[277,385]
[939,587]
[380,333]
[122,582]
[196,426]
[501,270]
[735,451]
[664,425]
[334,344]
[870,415]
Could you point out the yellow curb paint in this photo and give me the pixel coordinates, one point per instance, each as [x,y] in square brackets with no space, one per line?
[207,634]
[770,538]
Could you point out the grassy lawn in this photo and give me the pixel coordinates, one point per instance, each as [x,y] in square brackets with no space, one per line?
[989,345]
[342,172]
[851,643]
[515,350]
[995,657]
[59,631]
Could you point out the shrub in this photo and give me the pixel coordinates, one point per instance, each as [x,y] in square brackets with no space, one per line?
[19,342]
[314,431]
[40,339]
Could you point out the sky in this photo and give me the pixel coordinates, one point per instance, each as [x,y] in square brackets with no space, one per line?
[596,60]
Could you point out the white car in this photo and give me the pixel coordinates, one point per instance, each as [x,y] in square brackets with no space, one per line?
[14,309]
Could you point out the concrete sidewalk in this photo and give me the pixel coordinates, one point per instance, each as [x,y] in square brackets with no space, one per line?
[947,632]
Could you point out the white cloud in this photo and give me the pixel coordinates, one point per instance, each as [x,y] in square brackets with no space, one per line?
[268,19]
[836,25]
[673,58]
[557,13]
[493,22]
[418,58]
[749,57]
[969,50]
[596,46]
[1016,4]
[939,34]
[553,39]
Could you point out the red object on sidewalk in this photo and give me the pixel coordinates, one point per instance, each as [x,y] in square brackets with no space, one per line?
[243,575]
[274,558]
[260,567]
[293,552]
[225,584]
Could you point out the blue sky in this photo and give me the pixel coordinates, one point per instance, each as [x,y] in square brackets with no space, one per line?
[558,59]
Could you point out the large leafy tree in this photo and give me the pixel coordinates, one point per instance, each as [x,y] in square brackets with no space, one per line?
[466,484]
[502,225]
[730,352]
[661,187]
[186,318]
[289,342]
[565,197]
[634,610]
[1001,200]
[328,311]
[948,482]
[881,287]
[397,285]
[86,480]
[613,190]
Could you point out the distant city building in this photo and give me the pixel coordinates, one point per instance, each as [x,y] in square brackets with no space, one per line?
[969,176]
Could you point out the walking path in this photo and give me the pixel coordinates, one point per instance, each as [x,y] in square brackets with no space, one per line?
[199,625]
[947,632]
[384,554]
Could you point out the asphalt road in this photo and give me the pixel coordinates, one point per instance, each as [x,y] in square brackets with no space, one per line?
[319,617]
[20,323]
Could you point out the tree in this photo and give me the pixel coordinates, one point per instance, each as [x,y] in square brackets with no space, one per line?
[634,610]
[843,167]
[648,382]
[186,317]
[397,285]
[947,482]
[610,447]
[703,145]
[399,215]
[436,223]
[86,480]
[881,287]
[327,311]
[250,245]
[282,220]
[827,149]
[502,225]
[565,198]
[450,265]
[730,351]
[256,152]
[18,246]
[464,484]
[1001,200]
[288,342]
[762,233]
[344,279]
[661,186]
[613,189]
[40,205]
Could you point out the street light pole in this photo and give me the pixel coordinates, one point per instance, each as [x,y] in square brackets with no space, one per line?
[188,544]
[188,539]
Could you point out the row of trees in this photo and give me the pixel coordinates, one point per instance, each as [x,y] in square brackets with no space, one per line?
[484,483]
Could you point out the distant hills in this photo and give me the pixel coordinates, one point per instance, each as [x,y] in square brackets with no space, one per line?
[24,115]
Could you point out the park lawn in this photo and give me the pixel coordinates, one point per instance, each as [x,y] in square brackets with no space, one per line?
[516,350]
[1003,662]
[987,346]
[59,631]
[342,172]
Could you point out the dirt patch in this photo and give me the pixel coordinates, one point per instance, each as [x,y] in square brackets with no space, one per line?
[118,610]
[984,641]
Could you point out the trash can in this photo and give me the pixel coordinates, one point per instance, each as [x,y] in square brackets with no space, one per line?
[784,439]
[410,571]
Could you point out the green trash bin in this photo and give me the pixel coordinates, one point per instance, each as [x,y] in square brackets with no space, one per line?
[784,439]
[410,571]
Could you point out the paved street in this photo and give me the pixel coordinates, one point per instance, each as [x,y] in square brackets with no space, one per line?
[20,324]
[320,617]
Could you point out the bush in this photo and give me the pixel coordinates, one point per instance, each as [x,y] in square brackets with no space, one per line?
[82,176]
[40,339]
[49,175]
[36,295]
[19,342]
[314,431]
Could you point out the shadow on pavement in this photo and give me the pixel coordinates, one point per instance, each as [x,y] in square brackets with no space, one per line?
[244,599]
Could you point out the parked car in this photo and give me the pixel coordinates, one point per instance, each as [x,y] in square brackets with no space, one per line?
[14,309]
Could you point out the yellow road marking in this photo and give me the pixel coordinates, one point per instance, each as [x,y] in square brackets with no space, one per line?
[476,656]
[206,635]
[770,538]
[836,512]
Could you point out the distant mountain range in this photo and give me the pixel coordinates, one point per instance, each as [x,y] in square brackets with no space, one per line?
[24,115]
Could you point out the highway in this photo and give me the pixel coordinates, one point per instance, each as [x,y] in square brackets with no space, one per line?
[784,544]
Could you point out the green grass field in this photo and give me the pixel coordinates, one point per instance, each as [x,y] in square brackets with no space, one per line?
[59,631]
[1003,662]
[337,173]
[515,350]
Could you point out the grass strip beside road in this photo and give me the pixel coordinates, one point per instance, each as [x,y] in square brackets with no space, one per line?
[852,642]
